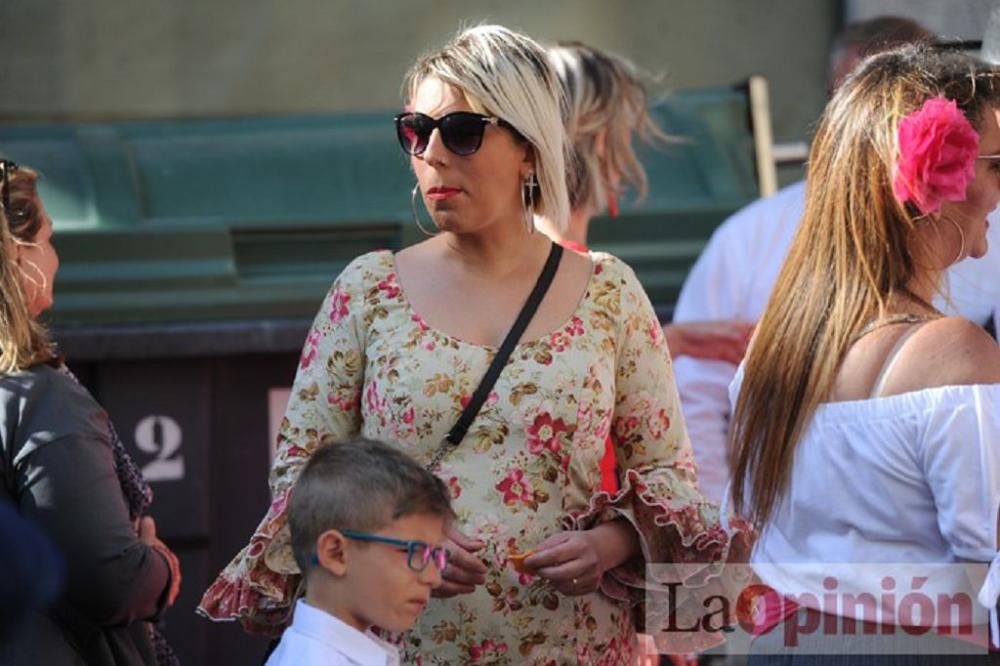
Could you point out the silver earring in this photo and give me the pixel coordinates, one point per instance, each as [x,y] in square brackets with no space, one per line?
[961,248]
[413,206]
[528,202]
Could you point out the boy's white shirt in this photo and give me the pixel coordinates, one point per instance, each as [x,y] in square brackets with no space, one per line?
[316,637]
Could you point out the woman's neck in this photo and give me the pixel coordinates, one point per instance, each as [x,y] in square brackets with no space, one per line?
[924,288]
[576,228]
[496,252]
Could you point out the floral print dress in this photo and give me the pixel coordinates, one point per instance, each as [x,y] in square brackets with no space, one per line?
[528,467]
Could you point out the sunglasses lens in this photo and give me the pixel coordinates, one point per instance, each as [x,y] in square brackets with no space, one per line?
[413,133]
[462,133]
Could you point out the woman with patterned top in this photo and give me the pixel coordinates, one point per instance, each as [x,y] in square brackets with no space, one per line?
[403,340]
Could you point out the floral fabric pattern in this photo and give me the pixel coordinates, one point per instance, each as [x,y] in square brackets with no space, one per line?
[528,467]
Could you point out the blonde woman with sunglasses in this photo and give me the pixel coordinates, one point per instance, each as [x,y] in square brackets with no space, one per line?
[545,567]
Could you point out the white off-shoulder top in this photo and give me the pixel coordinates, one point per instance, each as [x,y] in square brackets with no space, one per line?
[908,479]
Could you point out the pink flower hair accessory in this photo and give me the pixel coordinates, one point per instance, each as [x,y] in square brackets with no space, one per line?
[937,155]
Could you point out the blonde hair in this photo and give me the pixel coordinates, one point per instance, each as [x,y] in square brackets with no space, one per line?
[853,252]
[506,74]
[605,96]
[24,342]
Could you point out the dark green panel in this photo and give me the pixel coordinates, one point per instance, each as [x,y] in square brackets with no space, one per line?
[216,221]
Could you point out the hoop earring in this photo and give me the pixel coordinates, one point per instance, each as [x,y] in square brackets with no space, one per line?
[961,248]
[528,202]
[416,218]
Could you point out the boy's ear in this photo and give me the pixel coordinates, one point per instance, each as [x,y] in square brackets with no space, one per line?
[330,552]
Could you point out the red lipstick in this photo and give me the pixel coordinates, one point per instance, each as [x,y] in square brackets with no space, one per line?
[442,193]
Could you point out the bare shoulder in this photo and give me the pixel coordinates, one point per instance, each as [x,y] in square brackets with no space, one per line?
[947,351]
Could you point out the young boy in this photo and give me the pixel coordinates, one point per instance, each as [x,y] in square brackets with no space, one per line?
[367,524]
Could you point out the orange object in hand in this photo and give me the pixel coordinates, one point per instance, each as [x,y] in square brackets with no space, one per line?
[516,560]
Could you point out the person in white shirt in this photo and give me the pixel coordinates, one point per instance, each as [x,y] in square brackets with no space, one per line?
[732,280]
[733,277]
[866,427]
[367,528]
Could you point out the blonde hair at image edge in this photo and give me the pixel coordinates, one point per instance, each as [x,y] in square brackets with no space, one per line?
[507,74]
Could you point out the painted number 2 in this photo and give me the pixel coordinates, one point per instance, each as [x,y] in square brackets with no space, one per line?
[161,436]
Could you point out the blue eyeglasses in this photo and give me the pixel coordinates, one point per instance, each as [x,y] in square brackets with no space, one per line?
[418,553]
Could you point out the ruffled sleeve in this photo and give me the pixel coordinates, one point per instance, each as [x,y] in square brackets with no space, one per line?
[961,460]
[260,585]
[659,493]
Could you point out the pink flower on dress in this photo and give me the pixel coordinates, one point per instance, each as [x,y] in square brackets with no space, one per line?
[456,490]
[338,304]
[658,423]
[937,155]
[486,651]
[544,434]
[389,286]
[420,322]
[294,451]
[574,327]
[625,426]
[465,399]
[309,354]
[374,400]
[347,401]
[515,488]
[560,341]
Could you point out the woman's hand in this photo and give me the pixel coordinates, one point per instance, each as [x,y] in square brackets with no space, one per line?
[569,560]
[464,570]
[574,562]
[147,535]
[712,340]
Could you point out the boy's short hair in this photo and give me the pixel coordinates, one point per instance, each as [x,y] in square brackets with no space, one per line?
[359,485]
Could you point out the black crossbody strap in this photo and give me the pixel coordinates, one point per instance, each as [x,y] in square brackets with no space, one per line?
[457,433]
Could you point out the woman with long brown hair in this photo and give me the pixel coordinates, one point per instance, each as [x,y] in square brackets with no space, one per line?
[867,424]
[65,470]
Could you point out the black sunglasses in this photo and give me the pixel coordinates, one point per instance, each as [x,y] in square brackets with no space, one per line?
[461,131]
